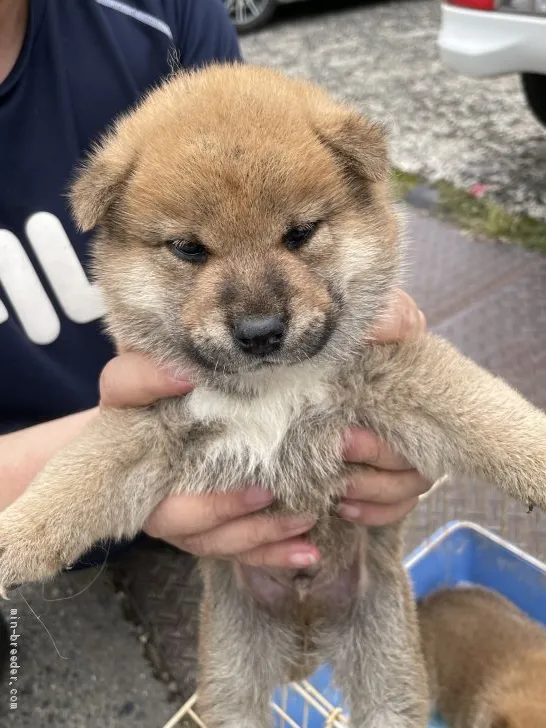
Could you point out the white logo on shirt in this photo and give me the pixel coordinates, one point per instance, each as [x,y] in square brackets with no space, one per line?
[79,300]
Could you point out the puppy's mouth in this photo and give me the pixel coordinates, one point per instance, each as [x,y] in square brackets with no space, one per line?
[216,357]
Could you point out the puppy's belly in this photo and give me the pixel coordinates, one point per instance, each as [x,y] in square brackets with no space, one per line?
[307,595]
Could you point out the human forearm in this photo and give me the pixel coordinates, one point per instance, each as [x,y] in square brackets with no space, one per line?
[25,452]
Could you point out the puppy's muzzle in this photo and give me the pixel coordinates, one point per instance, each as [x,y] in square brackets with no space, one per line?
[259,335]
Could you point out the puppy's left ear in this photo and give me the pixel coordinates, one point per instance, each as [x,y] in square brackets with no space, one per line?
[100,179]
[359,144]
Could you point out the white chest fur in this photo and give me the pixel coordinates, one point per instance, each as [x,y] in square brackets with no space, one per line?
[255,427]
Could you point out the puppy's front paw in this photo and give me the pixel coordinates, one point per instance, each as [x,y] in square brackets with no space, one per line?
[30,549]
[530,473]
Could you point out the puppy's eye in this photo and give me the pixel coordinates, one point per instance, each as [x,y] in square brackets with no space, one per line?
[299,235]
[192,252]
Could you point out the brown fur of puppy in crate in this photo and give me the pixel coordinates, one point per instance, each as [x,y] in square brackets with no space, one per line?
[485,658]
[246,229]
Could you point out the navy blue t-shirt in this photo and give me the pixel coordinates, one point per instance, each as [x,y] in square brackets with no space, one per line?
[82,63]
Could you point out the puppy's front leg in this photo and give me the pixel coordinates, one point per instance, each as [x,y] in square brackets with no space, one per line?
[375,650]
[103,485]
[447,415]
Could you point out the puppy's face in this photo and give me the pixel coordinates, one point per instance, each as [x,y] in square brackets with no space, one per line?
[244,223]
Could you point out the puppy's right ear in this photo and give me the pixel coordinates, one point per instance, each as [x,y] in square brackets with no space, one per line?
[100,179]
[360,145]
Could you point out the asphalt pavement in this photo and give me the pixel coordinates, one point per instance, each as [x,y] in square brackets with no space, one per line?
[383,57]
[80,662]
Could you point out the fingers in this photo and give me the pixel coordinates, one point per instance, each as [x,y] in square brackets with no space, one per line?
[243,535]
[385,494]
[385,487]
[374,514]
[295,553]
[220,525]
[402,321]
[132,380]
[362,446]
[179,516]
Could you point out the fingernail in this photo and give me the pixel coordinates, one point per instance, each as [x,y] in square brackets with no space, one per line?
[179,374]
[423,320]
[257,497]
[346,510]
[297,523]
[303,558]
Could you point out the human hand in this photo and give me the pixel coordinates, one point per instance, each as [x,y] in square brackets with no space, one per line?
[390,489]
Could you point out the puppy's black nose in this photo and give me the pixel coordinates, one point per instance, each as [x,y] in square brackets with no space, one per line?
[259,334]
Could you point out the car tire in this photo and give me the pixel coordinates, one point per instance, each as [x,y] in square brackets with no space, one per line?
[534,88]
[251,20]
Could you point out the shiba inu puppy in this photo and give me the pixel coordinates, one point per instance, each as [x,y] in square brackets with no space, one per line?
[245,229]
[486,660]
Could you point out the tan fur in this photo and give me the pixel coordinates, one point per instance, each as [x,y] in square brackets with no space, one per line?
[234,157]
[486,660]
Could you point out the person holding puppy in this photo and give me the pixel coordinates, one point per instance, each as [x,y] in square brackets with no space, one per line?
[66,70]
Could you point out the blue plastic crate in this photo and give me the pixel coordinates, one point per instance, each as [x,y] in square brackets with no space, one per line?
[460,553]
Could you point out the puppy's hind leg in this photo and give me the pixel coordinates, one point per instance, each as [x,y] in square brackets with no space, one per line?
[375,650]
[243,655]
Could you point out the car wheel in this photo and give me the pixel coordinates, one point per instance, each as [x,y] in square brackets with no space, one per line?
[534,88]
[247,15]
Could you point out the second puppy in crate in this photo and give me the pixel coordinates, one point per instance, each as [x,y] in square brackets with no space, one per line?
[246,230]
[486,660]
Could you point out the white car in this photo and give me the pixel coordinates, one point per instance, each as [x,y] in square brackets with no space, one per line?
[496,37]
[247,15]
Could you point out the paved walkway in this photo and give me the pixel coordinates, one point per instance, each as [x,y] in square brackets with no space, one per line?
[102,680]
[490,300]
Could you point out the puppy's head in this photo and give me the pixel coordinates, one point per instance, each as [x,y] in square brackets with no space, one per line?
[244,221]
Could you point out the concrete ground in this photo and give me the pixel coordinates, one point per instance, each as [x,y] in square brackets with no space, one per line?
[90,671]
[383,57]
